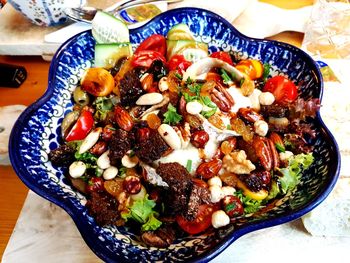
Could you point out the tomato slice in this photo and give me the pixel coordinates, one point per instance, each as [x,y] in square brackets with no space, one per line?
[178,62]
[82,127]
[155,42]
[282,88]
[145,58]
[222,55]
[202,221]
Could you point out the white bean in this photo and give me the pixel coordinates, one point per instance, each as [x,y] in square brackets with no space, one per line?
[216,193]
[110,173]
[150,99]
[90,140]
[215,181]
[130,162]
[103,161]
[219,219]
[170,136]
[194,107]
[77,169]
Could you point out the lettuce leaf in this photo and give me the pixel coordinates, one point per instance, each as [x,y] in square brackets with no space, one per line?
[291,175]
[142,212]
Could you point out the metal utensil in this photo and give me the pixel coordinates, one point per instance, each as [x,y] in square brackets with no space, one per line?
[87,13]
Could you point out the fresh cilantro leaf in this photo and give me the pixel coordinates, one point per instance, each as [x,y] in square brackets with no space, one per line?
[189,81]
[189,165]
[228,127]
[188,97]
[122,171]
[250,205]
[207,102]
[209,113]
[226,78]
[98,171]
[290,175]
[195,88]
[85,157]
[152,224]
[178,76]
[171,116]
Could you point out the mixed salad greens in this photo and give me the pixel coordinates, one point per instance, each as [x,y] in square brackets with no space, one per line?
[171,140]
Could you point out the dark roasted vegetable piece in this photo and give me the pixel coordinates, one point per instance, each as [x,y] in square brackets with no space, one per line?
[118,146]
[62,156]
[151,149]
[130,88]
[103,207]
[162,237]
[180,187]
[199,195]
[256,180]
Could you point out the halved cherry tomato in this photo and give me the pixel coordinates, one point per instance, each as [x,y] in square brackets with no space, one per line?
[82,127]
[178,62]
[222,55]
[200,223]
[155,43]
[145,58]
[282,88]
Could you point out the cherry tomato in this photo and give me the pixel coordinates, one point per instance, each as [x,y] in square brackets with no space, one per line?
[282,88]
[82,127]
[232,206]
[200,223]
[95,184]
[178,62]
[145,58]
[155,43]
[222,55]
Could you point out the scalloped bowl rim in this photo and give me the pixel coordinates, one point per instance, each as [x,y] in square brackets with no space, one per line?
[217,249]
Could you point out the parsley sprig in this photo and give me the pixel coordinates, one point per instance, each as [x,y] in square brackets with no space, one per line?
[171,117]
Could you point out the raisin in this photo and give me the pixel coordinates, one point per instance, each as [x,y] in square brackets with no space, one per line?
[130,88]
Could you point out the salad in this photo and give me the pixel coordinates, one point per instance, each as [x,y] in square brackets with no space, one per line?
[172,140]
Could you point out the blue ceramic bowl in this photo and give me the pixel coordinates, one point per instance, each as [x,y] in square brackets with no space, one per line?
[38,128]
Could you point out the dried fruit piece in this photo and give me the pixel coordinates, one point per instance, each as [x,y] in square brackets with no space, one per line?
[114,187]
[123,118]
[209,169]
[217,121]
[239,126]
[226,147]
[262,150]
[249,115]
[153,121]
[199,138]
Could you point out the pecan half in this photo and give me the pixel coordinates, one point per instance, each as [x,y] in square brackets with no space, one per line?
[249,115]
[221,97]
[263,152]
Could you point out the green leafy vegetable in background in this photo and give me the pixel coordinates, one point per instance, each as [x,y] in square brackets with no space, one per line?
[103,106]
[250,205]
[171,116]
[85,157]
[142,212]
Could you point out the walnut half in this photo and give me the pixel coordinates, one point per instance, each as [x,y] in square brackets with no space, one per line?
[236,162]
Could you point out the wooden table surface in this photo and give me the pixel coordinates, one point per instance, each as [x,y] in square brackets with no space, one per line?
[12,191]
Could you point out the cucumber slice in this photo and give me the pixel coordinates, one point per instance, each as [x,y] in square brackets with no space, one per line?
[107,55]
[179,46]
[180,32]
[109,29]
